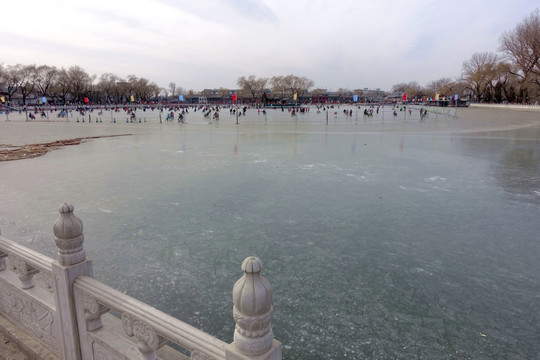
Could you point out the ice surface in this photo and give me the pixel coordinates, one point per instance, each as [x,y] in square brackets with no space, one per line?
[380,240]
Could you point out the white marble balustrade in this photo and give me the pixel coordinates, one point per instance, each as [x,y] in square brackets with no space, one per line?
[72,315]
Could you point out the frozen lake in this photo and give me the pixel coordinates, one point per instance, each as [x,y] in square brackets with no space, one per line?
[383,237]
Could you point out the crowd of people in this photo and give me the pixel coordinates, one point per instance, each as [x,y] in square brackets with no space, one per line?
[179,112]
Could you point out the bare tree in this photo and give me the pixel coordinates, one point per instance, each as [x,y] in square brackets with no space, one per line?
[45,77]
[287,86]
[318,92]
[152,91]
[412,89]
[343,92]
[442,86]
[172,90]
[121,91]
[190,94]
[479,72]
[3,73]
[107,87]
[80,82]
[521,47]
[206,93]
[11,80]
[130,86]
[251,86]
[278,86]
[62,86]
[223,92]
[26,80]
[143,89]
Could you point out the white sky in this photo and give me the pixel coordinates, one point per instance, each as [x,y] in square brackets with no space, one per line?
[210,43]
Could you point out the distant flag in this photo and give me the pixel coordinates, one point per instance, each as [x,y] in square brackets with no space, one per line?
[444,98]
[234,97]
[355,98]
[44,100]
[436,97]
[85,100]
[405,97]
[181,97]
[2,99]
[295,96]
[132,98]
[456,97]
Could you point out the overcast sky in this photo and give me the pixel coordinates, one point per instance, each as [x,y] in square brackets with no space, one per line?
[209,43]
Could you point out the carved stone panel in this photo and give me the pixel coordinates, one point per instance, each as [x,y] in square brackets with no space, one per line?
[36,318]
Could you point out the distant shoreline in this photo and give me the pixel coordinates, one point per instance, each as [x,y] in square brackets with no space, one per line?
[507,107]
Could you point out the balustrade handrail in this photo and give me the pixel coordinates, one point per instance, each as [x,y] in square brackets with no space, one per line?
[165,325]
[33,258]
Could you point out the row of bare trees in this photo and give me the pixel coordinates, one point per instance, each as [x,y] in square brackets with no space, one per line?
[512,75]
[73,85]
[280,87]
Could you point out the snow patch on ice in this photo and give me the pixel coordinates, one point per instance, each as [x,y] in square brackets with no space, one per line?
[435,178]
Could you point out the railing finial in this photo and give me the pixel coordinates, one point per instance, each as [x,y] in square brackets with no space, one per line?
[69,237]
[252,311]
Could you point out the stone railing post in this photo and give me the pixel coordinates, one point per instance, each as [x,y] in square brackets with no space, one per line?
[70,263]
[252,311]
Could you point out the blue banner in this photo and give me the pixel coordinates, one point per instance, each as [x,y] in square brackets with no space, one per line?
[181,97]
[355,98]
